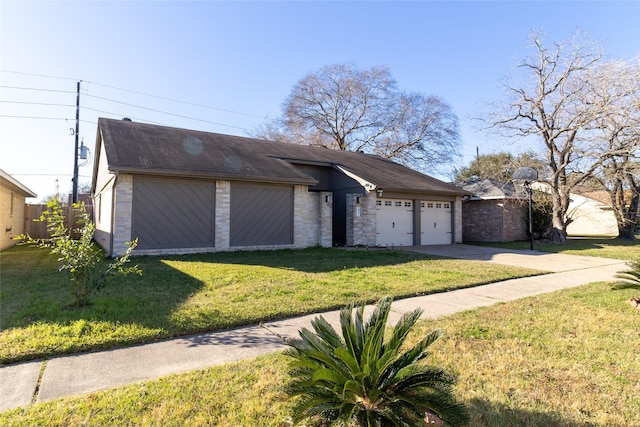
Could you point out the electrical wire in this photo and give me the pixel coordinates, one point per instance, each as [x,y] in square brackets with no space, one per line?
[37,89]
[118,102]
[173,100]
[37,75]
[163,112]
[34,117]
[37,103]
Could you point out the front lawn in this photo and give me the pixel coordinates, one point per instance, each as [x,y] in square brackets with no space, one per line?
[178,295]
[565,359]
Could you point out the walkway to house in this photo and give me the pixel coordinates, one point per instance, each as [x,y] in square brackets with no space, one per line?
[89,372]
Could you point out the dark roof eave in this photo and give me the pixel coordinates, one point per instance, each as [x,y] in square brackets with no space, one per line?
[204,175]
[460,192]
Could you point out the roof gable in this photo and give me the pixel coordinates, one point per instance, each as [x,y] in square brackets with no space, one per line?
[14,185]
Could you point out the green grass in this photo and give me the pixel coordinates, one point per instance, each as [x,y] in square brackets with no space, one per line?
[180,295]
[605,247]
[565,359]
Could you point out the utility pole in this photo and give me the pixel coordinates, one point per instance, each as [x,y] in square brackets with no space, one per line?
[75,151]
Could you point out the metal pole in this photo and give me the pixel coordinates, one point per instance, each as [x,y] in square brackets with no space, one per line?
[75,151]
[530,191]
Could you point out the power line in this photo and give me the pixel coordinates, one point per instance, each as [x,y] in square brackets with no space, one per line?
[122,103]
[36,103]
[33,117]
[130,91]
[164,112]
[37,75]
[175,100]
[37,89]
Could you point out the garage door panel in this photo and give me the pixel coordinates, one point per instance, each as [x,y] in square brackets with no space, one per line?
[435,221]
[261,215]
[173,213]
[394,222]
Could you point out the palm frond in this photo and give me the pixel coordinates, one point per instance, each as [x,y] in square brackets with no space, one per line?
[361,379]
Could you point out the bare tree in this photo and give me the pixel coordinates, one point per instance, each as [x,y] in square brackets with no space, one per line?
[343,107]
[550,104]
[423,131]
[616,92]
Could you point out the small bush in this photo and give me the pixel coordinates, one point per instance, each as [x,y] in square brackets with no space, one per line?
[80,256]
[359,379]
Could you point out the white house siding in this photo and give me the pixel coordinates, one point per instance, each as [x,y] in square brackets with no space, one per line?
[103,216]
[590,218]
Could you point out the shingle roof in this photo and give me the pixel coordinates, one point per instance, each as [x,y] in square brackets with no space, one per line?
[133,147]
[13,184]
[486,189]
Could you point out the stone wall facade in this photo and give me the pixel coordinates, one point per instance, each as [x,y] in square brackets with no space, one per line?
[361,219]
[122,213]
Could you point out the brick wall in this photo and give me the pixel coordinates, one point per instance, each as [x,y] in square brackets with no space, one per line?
[493,220]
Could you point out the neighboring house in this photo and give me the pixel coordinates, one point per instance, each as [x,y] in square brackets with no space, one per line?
[183,191]
[496,212]
[591,214]
[12,200]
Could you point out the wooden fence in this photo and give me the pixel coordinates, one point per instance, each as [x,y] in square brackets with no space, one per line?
[38,229]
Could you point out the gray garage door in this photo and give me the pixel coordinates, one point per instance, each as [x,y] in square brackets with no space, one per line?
[261,215]
[173,213]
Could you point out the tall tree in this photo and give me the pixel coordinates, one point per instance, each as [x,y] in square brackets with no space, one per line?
[346,108]
[550,103]
[616,91]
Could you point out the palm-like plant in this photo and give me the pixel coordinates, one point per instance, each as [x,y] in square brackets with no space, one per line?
[360,379]
[631,277]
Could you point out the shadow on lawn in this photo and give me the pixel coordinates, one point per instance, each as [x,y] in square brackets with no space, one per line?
[312,260]
[488,414]
[38,293]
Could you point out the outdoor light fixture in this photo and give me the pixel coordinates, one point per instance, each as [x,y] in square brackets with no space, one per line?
[527,175]
[379,192]
[327,199]
[357,199]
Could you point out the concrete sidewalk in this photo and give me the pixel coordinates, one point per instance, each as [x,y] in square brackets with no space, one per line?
[89,372]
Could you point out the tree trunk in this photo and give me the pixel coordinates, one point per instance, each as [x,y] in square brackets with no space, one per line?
[626,230]
[559,227]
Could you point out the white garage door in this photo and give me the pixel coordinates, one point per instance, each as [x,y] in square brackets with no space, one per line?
[394,222]
[435,223]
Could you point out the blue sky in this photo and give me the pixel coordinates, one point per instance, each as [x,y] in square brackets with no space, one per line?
[241,59]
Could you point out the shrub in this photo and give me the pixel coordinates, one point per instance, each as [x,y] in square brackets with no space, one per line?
[80,256]
[631,277]
[360,379]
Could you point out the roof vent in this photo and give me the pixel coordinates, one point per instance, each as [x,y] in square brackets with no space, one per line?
[126,119]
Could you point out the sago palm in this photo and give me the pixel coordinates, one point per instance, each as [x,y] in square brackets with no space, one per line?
[631,277]
[361,379]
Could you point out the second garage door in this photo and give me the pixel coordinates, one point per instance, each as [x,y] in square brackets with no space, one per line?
[435,223]
[394,222]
